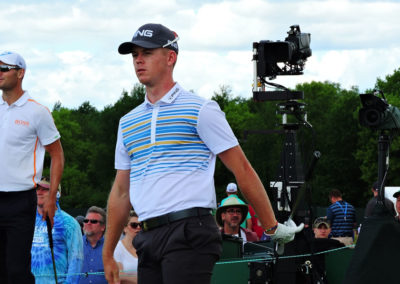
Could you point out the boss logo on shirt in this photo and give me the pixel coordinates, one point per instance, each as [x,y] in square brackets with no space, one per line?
[21,122]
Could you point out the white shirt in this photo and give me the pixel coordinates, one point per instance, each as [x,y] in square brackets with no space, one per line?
[123,256]
[242,235]
[170,148]
[25,127]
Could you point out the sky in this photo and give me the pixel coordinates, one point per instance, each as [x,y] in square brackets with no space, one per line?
[70,47]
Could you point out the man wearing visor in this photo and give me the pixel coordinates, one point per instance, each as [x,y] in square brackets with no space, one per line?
[27,131]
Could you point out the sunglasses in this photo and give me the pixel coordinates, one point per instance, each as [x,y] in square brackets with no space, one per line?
[233,211]
[6,68]
[92,221]
[134,225]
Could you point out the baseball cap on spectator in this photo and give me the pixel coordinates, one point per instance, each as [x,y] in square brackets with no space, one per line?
[12,58]
[231,187]
[396,194]
[151,36]
[80,219]
[321,220]
[45,183]
[375,186]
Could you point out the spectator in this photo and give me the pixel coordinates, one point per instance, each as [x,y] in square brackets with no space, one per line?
[255,224]
[372,202]
[165,160]
[231,190]
[342,217]
[80,219]
[125,253]
[321,228]
[397,196]
[94,226]
[230,215]
[27,132]
[67,243]
[320,243]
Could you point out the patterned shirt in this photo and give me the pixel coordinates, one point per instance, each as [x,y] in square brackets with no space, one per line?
[170,148]
[342,216]
[67,247]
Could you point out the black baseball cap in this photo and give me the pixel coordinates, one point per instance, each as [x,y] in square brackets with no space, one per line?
[151,36]
[321,220]
[396,194]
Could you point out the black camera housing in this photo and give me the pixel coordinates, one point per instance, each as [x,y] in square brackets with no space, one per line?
[293,53]
[377,114]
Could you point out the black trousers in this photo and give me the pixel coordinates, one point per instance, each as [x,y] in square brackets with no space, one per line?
[180,252]
[17,224]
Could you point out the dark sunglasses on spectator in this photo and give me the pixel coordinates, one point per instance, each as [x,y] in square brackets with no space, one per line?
[6,68]
[134,225]
[92,221]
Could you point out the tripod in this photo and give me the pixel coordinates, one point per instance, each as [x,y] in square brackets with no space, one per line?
[383,163]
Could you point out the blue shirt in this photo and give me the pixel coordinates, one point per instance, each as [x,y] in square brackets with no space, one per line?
[67,247]
[93,262]
[342,217]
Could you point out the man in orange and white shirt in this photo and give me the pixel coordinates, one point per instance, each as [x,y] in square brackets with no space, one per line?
[27,131]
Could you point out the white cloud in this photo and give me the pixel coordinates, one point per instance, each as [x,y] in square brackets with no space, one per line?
[71,46]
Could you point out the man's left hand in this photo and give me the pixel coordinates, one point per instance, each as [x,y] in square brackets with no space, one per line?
[49,209]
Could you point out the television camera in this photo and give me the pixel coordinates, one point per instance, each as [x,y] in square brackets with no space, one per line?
[293,53]
[275,58]
[377,114]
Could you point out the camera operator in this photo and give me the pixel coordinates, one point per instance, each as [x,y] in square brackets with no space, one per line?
[372,202]
[397,196]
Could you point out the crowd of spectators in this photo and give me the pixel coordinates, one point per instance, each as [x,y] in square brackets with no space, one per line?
[73,252]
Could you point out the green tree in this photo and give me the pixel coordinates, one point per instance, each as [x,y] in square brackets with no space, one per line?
[331,112]
[88,137]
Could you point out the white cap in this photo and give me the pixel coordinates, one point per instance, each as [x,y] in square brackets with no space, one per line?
[12,58]
[231,187]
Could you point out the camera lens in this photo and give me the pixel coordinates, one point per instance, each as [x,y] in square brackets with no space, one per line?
[372,117]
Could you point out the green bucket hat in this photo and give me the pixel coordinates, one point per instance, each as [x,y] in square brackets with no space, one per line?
[231,202]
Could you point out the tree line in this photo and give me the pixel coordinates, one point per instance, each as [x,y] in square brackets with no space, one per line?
[349,152]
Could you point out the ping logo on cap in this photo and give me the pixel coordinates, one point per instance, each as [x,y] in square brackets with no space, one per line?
[146,33]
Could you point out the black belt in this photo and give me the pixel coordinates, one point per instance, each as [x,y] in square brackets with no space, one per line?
[155,222]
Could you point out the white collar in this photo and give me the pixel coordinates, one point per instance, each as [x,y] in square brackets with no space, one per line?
[168,98]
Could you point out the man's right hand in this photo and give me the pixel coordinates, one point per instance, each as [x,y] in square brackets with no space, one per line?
[111,270]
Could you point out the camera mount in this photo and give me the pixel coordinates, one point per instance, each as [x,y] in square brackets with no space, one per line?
[290,193]
[272,59]
[378,114]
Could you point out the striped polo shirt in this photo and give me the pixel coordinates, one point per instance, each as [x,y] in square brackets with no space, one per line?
[170,149]
[342,216]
